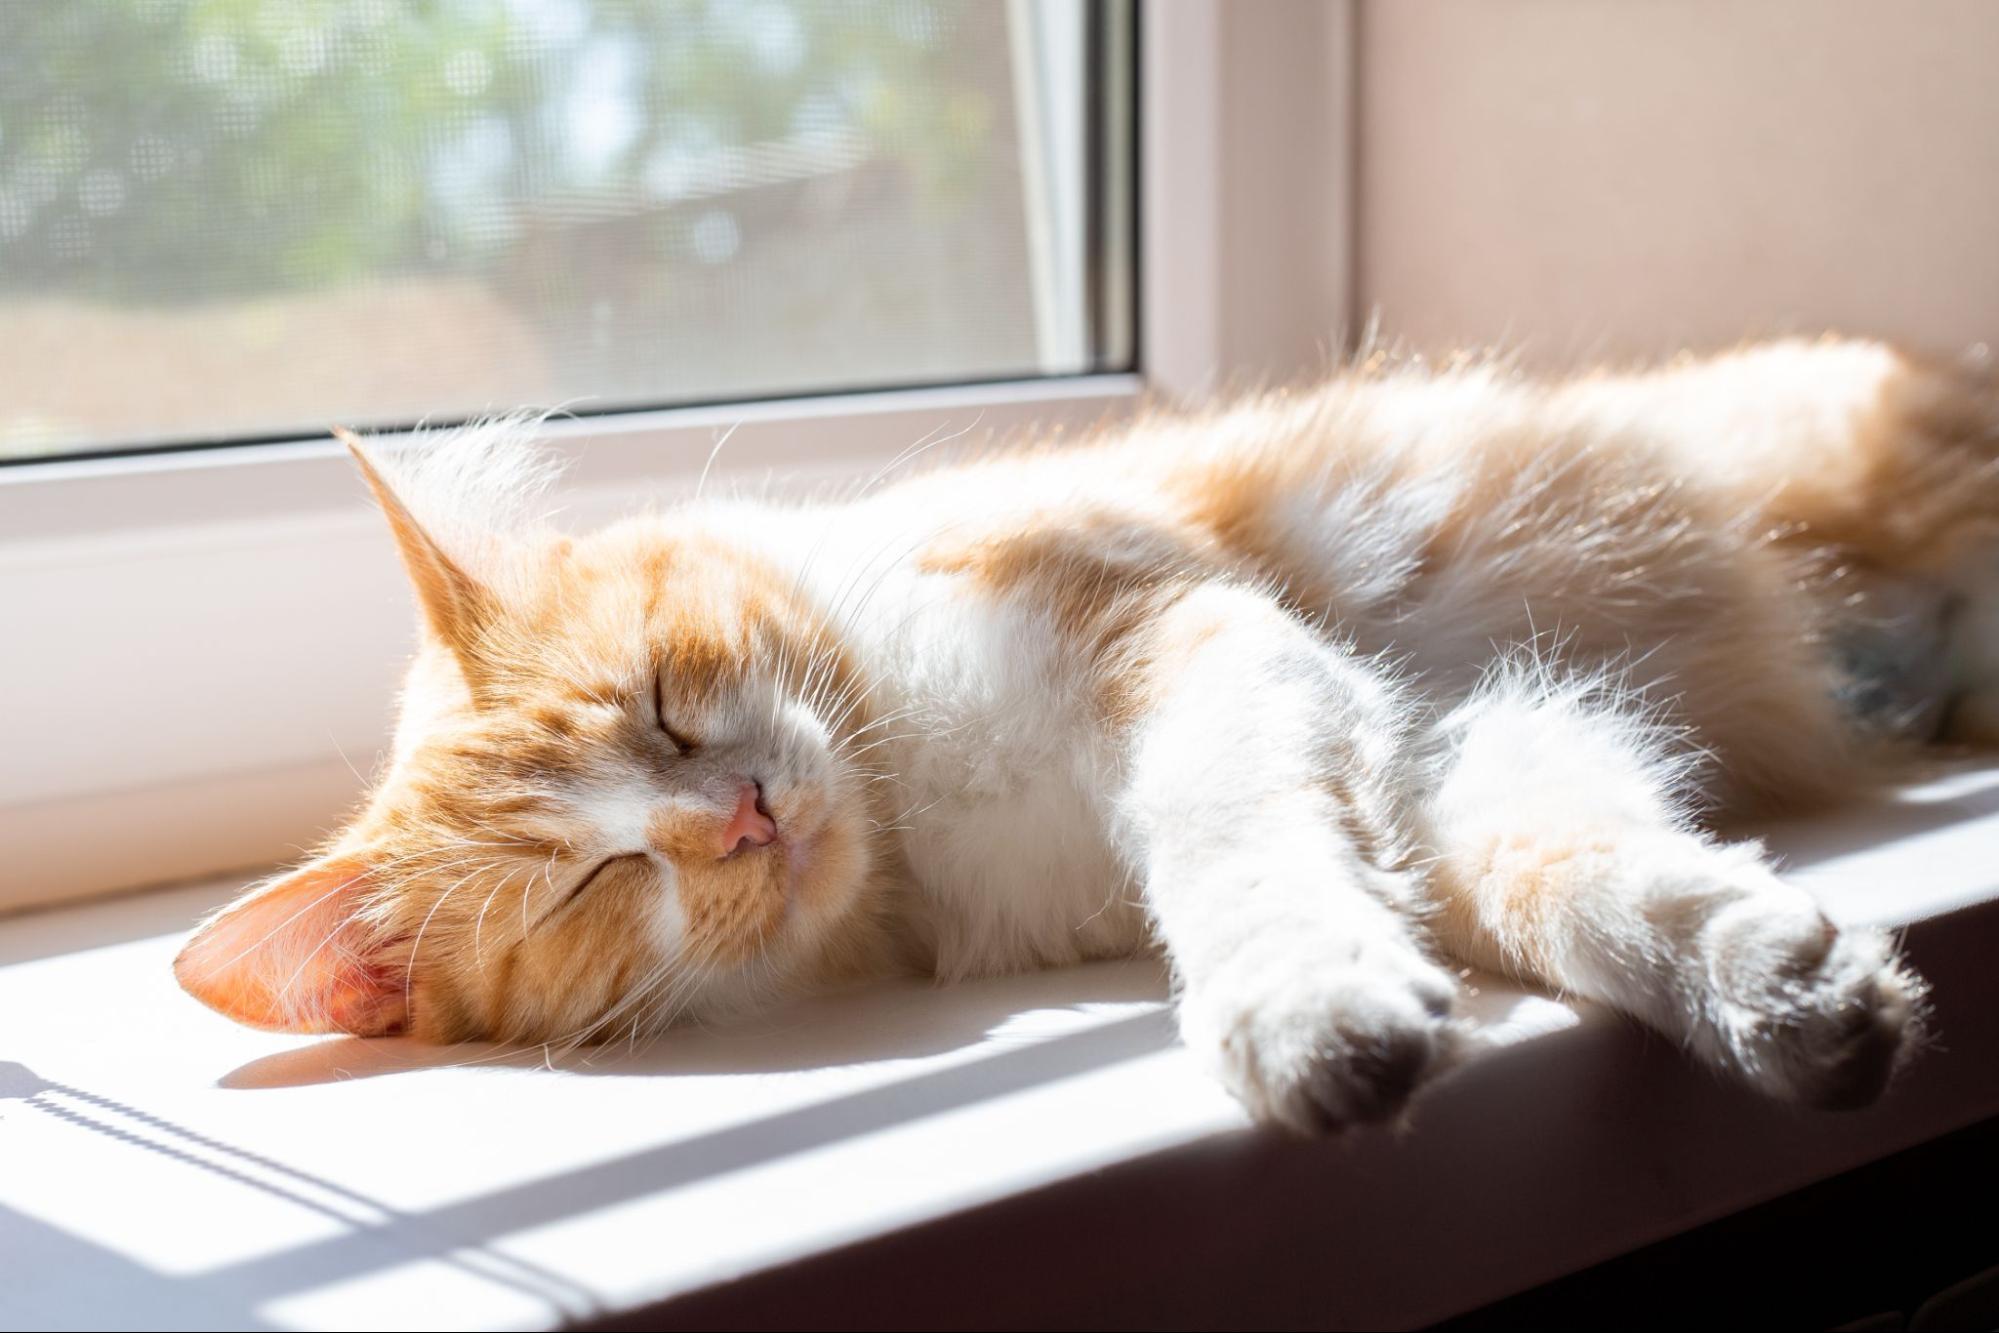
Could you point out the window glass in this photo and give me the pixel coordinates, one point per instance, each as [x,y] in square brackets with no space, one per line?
[242,219]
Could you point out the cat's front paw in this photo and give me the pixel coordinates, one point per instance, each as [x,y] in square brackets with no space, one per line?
[1320,1038]
[1812,1014]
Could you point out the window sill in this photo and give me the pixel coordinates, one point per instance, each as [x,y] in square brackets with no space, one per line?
[1032,1149]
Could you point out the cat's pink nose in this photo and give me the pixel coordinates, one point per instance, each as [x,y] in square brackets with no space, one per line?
[751,825]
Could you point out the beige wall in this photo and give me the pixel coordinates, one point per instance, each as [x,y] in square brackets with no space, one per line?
[1282,218]
[1614,177]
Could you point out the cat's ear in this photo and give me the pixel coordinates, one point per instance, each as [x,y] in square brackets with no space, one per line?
[457,607]
[292,956]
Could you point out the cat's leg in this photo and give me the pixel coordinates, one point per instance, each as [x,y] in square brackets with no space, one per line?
[1564,859]
[1263,771]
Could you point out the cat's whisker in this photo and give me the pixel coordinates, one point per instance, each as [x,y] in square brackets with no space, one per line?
[909,456]
[908,451]
[348,881]
[664,972]
[286,988]
[886,719]
[479,922]
[416,945]
[702,483]
[836,724]
[548,878]
[881,741]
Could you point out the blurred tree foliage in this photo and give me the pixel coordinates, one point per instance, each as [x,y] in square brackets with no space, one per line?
[164,150]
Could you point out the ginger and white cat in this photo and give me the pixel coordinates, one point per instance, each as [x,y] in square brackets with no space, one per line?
[1325,693]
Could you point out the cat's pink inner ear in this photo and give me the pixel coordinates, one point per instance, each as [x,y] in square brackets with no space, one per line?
[292,957]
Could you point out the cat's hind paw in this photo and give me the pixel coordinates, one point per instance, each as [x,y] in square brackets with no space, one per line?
[1812,1014]
[1318,1043]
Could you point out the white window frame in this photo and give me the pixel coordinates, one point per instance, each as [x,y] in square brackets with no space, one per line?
[154,735]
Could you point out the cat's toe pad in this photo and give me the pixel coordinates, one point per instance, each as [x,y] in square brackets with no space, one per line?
[1317,1044]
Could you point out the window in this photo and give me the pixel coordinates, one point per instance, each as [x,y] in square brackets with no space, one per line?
[897,222]
[227,220]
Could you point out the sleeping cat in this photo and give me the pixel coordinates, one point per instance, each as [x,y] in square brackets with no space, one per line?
[1325,694]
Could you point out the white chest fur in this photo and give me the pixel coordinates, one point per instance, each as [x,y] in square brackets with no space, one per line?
[999,785]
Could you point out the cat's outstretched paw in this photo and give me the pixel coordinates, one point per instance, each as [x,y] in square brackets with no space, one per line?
[1809,1013]
[1317,1040]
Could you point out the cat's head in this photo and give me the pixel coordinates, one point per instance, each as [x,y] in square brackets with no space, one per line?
[625,785]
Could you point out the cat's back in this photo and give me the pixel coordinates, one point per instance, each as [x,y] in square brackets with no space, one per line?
[1356,497]
[1432,514]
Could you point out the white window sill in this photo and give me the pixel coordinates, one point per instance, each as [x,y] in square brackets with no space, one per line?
[164,1168]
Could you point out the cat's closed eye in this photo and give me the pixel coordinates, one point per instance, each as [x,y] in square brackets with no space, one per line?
[679,740]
